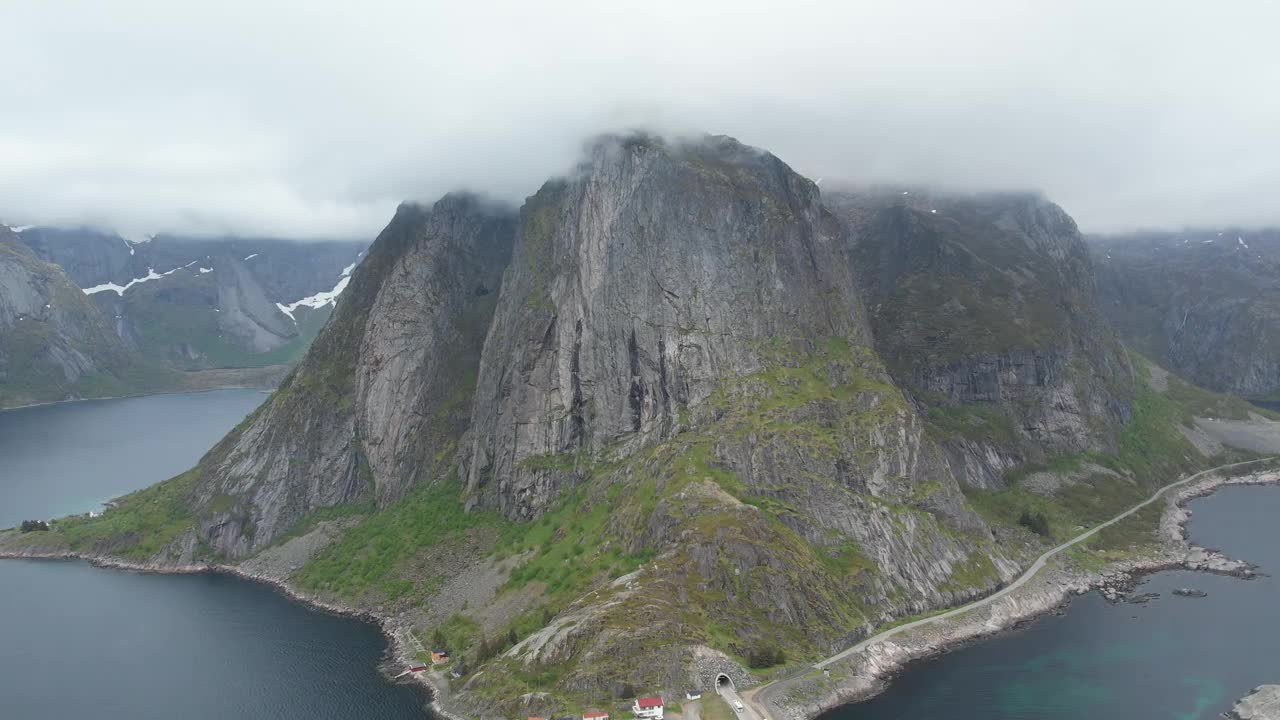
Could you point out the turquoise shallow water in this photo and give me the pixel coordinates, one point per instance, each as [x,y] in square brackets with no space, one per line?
[80,642]
[1179,658]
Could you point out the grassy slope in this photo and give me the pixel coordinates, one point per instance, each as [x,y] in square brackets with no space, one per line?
[141,525]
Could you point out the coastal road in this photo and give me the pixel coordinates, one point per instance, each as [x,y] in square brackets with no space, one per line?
[760,698]
[749,711]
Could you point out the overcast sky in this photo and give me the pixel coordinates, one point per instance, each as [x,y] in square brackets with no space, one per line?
[316,118]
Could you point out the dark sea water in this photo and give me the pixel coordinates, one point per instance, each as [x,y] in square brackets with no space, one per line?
[71,457]
[1174,658]
[80,642]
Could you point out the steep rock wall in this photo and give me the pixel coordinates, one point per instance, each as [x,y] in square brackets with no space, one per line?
[1205,304]
[985,309]
[637,286]
[375,404]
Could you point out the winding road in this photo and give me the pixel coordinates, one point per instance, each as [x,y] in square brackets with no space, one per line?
[760,697]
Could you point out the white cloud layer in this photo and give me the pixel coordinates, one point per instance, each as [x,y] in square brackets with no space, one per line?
[315,118]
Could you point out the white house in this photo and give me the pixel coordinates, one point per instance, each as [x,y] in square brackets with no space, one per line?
[648,707]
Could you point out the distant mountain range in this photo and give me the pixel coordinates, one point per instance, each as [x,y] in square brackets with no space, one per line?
[184,304]
[54,343]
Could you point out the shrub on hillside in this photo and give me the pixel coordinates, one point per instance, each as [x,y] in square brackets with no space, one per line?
[1037,522]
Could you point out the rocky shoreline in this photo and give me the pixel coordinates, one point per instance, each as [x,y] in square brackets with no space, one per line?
[1261,704]
[868,673]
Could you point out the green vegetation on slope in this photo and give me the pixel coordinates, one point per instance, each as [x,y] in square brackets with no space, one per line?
[1151,453]
[370,554]
[137,528]
[1198,402]
[685,498]
[973,422]
[822,401]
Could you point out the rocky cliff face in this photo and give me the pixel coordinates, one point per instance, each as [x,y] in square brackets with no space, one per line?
[638,287]
[985,309]
[382,395]
[1205,304]
[54,344]
[196,303]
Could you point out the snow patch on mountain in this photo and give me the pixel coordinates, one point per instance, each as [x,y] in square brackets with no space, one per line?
[320,299]
[151,275]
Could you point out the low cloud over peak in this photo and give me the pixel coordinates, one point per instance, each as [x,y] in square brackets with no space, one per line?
[316,119]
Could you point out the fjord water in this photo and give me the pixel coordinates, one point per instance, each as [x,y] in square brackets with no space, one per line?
[1172,658]
[70,457]
[78,641]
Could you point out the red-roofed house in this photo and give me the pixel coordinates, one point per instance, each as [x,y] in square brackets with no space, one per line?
[595,715]
[648,707]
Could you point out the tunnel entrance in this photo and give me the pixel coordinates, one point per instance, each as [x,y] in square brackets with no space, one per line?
[724,681]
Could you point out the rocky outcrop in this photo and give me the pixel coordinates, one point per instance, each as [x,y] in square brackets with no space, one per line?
[984,309]
[1205,304]
[381,398]
[1261,704]
[54,345]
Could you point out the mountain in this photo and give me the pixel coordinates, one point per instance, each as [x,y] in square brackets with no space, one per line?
[678,415]
[1205,304]
[984,308]
[383,390]
[54,343]
[204,303]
